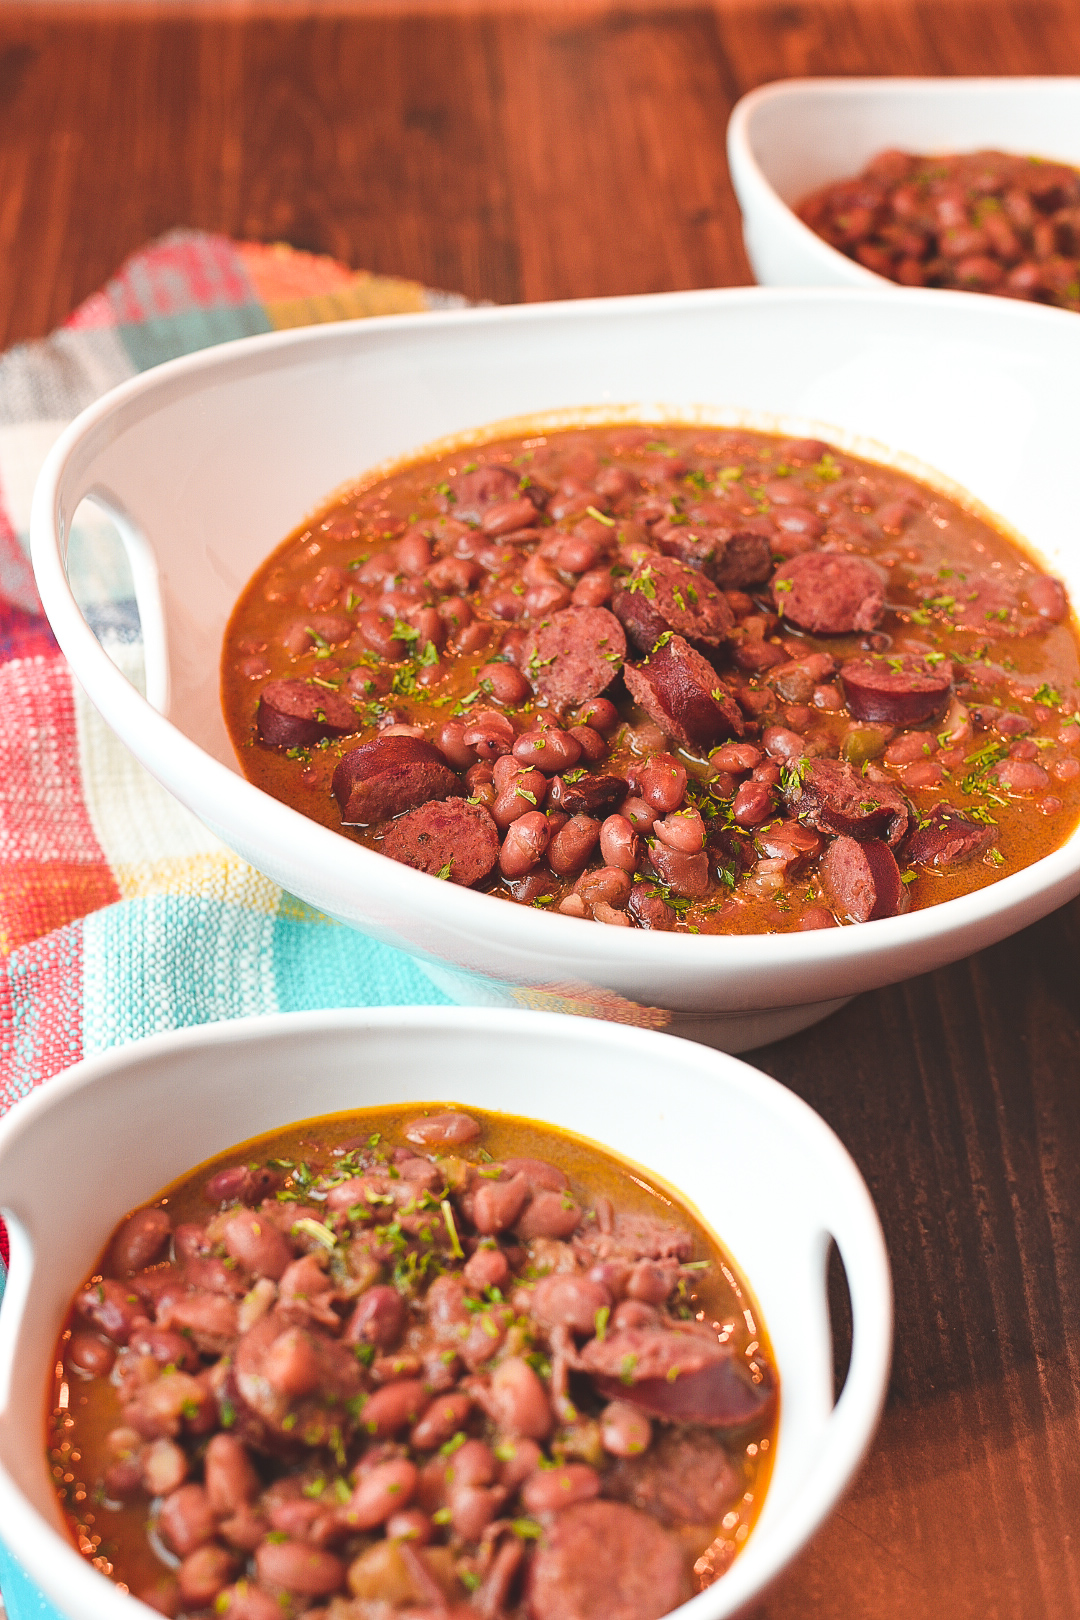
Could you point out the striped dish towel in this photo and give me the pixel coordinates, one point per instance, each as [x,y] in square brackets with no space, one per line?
[120,915]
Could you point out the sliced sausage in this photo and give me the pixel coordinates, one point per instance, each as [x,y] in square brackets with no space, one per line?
[574,654]
[833,796]
[902,690]
[295,714]
[944,837]
[829,592]
[450,838]
[380,779]
[684,1477]
[605,1558]
[681,597]
[862,881]
[681,691]
[734,558]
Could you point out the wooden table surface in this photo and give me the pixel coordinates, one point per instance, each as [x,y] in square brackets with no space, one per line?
[518,152]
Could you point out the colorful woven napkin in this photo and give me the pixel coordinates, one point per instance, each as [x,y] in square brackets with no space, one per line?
[120,915]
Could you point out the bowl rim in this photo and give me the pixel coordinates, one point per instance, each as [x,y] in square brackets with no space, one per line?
[747,172]
[51,1560]
[997,910]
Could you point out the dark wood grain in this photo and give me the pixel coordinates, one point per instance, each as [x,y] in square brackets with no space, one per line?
[565,150]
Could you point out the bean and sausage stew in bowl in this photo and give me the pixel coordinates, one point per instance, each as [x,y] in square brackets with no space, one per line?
[413,1366]
[986,222]
[665,677]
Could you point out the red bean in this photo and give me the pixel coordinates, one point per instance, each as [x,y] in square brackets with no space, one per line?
[443,1418]
[783,744]
[641,816]
[557,1488]
[662,783]
[299,1567]
[377,634]
[550,750]
[753,804]
[290,1365]
[609,885]
[593,589]
[683,830]
[378,1318]
[619,843]
[231,1480]
[923,773]
[909,747]
[203,1574]
[817,917]
[506,684]
[258,1245]
[768,771]
[92,1355]
[383,1490]
[489,733]
[625,1431]
[164,1468]
[550,1214]
[111,1308]
[187,1520]
[441,1130]
[567,1299]
[486,1268]
[394,1406]
[455,611]
[600,713]
[524,845]
[497,1204]
[592,745]
[472,637]
[519,792]
[517,1460]
[546,598]
[472,1464]
[472,1508]
[451,744]
[1065,770]
[520,1401]
[246,1601]
[572,845]
[735,757]
[141,1239]
[410,1525]
[325,588]
[414,553]
[1019,775]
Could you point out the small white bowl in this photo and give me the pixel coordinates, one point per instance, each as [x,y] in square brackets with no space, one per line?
[788,139]
[209,461]
[765,1172]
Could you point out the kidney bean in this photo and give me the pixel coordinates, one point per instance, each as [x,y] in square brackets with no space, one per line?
[661,782]
[507,684]
[651,1281]
[625,1431]
[385,1489]
[686,875]
[503,517]
[603,913]
[486,1268]
[1063,770]
[489,733]
[593,589]
[376,633]
[1019,775]
[571,1300]
[512,643]
[572,906]
[633,1313]
[324,588]
[413,553]
[641,816]
[520,792]
[246,1601]
[472,1508]
[550,598]
[473,637]
[393,1406]
[735,757]
[164,1467]
[141,1239]
[607,885]
[573,844]
[682,829]
[782,744]
[301,1568]
[520,1400]
[593,746]
[451,744]
[480,775]
[549,1215]
[111,1308]
[443,1418]
[123,1477]
[817,917]
[223,1187]
[557,1488]
[411,1524]
[923,773]
[549,750]
[649,910]
[395,729]
[455,611]
[1047,596]
[257,1244]
[378,1318]
[448,1128]
[186,1520]
[523,847]
[909,747]
[203,1574]
[600,713]
[517,1460]
[471,1464]
[231,1480]
[290,1365]
[753,804]
[619,843]
[90,1354]
[430,627]
[496,1205]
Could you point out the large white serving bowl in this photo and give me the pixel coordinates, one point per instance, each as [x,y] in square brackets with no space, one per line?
[787,139]
[210,460]
[764,1171]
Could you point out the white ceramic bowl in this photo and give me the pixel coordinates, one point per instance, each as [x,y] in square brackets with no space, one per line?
[210,460]
[787,139]
[765,1172]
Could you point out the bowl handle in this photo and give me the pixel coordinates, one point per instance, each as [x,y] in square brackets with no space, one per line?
[147,583]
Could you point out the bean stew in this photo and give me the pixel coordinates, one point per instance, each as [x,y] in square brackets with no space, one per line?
[665,677]
[413,1365]
[986,222]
